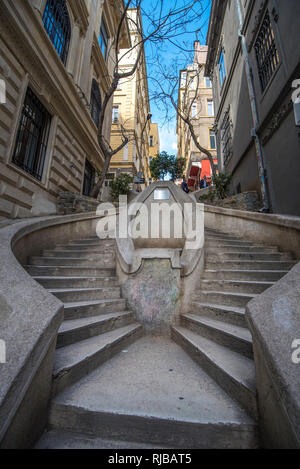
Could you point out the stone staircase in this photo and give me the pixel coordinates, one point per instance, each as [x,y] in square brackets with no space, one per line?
[215,332]
[96,323]
[154,394]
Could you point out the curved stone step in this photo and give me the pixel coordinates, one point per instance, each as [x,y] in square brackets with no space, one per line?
[94,241]
[59,439]
[227,298]
[80,254]
[84,309]
[154,393]
[216,242]
[79,282]
[91,261]
[240,286]
[234,337]
[69,271]
[75,330]
[234,372]
[221,237]
[249,265]
[246,247]
[236,274]
[255,256]
[82,294]
[77,360]
[224,313]
[84,247]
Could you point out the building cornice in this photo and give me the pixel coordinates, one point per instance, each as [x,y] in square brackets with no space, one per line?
[214,30]
[80,13]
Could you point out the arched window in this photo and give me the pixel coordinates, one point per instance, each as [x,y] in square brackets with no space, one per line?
[57,24]
[95,102]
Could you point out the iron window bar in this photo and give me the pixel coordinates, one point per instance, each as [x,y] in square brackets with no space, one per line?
[226,137]
[266,52]
[103,39]
[32,136]
[89,178]
[57,24]
[95,102]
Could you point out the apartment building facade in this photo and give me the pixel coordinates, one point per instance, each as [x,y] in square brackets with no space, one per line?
[131,111]
[254,63]
[196,99]
[56,61]
[154,142]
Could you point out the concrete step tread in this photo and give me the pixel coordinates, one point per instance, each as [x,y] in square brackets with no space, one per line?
[59,258]
[228,328]
[249,261]
[95,239]
[85,289]
[214,271]
[240,368]
[80,252]
[66,267]
[74,304]
[68,356]
[235,309]
[228,293]
[58,277]
[238,282]
[59,439]
[154,379]
[72,324]
[246,244]
[248,253]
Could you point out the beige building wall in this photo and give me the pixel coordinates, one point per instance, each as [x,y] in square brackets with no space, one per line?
[132,101]
[29,59]
[154,143]
[196,97]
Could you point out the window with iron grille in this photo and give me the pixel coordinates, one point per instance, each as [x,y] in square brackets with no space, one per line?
[226,139]
[57,24]
[103,39]
[266,52]
[95,102]
[222,70]
[32,136]
[212,138]
[89,178]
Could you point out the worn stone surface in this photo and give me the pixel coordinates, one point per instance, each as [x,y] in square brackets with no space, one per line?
[68,202]
[248,201]
[30,319]
[153,392]
[274,320]
[154,293]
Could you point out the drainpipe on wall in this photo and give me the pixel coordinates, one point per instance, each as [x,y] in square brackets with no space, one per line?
[258,147]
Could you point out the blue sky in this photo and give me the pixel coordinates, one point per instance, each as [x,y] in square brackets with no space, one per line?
[173,55]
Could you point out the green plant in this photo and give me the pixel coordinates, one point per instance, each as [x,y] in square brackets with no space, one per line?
[221,183]
[164,164]
[120,185]
[210,196]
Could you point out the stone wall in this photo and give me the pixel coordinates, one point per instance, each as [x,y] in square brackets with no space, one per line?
[68,203]
[245,201]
